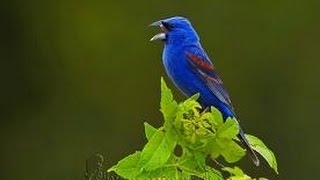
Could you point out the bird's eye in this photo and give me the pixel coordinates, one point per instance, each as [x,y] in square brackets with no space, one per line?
[167,25]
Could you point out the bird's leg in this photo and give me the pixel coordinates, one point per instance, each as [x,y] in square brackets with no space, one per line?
[214,163]
[217,163]
[204,110]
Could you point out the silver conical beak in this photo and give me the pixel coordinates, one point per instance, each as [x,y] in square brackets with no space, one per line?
[159,36]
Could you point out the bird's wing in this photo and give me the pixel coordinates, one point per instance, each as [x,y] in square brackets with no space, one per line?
[201,64]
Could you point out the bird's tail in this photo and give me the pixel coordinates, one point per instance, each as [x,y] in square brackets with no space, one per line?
[246,144]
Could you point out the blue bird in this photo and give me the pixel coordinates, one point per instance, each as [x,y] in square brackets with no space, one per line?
[189,67]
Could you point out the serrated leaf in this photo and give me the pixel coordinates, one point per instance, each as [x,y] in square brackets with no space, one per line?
[149,130]
[193,163]
[245,177]
[195,97]
[223,143]
[215,149]
[188,161]
[215,117]
[235,171]
[191,103]
[156,152]
[168,105]
[160,173]
[127,167]
[207,173]
[168,171]
[172,135]
[213,174]
[229,129]
[200,159]
[232,152]
[265,152]
[229,149]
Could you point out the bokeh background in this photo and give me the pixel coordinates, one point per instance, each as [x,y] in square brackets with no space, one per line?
[80,77]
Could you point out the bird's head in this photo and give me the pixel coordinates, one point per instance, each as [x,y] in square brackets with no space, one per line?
[175,30]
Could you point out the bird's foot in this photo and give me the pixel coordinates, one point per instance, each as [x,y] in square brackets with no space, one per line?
[218,163]
[206,109]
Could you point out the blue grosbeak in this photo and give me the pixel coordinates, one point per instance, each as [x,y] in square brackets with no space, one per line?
[189,67]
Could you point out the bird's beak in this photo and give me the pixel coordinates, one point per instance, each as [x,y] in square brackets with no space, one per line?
[162,35]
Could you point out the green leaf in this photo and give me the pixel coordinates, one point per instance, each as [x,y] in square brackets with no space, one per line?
[232,152]
[213,174]
[235,171]
[156,152]
[172,135]
[168,105]
[224,145]
[160,173]
[244,177]
[207,173]
[193,163]
[191,103]
[229,129]
[215,117]
[200,159]
[167,171]
[149,130]
[127,167]
[229,150]
[215,148]
[188,160]
[195,97]
[265,152]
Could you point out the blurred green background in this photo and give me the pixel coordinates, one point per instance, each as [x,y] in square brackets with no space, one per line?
[80,77]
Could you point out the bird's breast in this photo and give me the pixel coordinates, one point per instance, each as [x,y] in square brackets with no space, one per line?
[179,70]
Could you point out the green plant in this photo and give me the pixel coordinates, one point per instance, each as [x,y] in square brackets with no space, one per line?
[198,135]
